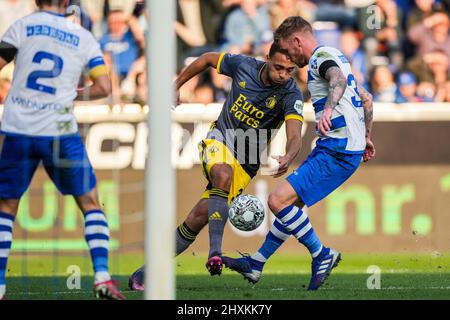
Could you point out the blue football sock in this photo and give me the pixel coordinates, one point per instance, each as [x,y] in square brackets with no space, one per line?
[274,239]
[297,223]
[96,233]
[6,228]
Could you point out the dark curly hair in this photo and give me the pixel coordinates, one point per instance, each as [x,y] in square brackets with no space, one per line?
[275,47]
[59,3]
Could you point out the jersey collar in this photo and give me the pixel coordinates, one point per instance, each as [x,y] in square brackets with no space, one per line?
[261,70]
[316,50]
[53,13]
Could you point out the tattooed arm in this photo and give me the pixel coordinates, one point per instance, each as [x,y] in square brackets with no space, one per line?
[336,88]
[367,102]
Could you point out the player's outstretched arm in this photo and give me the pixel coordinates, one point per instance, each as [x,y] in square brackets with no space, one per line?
[336,88]
[100,89]
[367,102]
[206,60]
[293,145]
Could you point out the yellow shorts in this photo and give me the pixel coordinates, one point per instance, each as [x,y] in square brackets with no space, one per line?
[215,152]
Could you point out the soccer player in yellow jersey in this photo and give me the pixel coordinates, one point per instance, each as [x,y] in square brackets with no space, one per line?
[262,97]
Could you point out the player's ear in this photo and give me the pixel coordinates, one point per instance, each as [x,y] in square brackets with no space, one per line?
[297,41]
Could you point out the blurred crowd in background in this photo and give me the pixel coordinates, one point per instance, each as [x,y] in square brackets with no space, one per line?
[399,49]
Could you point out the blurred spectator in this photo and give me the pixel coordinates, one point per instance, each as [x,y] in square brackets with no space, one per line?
[247,29]
[119,41]
[443,94]
[5,85]
[382,31]
[96,11]
[127,6]
[141,89]
[221,85]
[432,67]
[115,79]
[350,47]
[204,93]
[423,9]
[79,14]
[407,86]
[426,91]
[12,10]
[431,34]
[282,9]
[383,86]
[131,86]
[138,23]
[197,27]
[336,11]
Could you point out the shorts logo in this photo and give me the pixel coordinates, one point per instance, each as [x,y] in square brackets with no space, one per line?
[215,216]
[271,102]
[298,106]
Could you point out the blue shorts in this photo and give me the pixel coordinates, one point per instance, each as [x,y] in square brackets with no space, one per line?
[64,158]
[321,173]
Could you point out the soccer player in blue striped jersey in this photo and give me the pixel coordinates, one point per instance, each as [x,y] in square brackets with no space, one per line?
[344,124]
[38,124]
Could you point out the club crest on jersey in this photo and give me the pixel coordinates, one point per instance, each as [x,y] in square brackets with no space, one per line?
[242,84]
[213,149]
[271,102]
[298,106]
[324,54]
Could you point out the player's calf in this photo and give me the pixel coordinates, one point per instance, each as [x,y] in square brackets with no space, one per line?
[6,229]
[218,215]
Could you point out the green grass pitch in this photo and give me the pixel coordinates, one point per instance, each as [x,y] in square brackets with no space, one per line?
[286,276]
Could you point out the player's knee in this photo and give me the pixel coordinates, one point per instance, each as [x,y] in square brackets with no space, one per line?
[196,222]
[9,206]
[88,201]
[222,177]
[275,202]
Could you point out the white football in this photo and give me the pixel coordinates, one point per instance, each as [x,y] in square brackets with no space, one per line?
[246,212]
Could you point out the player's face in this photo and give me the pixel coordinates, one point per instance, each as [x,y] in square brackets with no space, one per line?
[280,69]
[293,45]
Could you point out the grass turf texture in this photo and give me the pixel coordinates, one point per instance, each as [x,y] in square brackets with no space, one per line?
[403,276]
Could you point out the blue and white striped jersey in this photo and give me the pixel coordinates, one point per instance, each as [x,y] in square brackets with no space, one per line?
[347,133]
[52,52]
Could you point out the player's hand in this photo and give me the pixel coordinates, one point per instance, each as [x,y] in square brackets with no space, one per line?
[283,165]
[324,124]
[369,152]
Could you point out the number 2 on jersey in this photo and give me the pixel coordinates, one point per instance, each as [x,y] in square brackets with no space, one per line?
[58,63]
